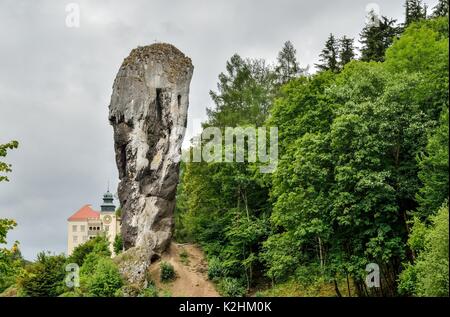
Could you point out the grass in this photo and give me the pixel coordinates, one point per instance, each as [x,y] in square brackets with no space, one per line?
[184,257]
[292,288]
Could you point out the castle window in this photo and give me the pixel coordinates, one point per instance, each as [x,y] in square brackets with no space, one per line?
[75,239]
[98,228]
[74,228]
[85,238]
[82,228]
[90,228]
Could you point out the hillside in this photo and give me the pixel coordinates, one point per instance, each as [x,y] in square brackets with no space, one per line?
[190,270]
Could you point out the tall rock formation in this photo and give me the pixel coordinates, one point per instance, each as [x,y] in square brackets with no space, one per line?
[148,112]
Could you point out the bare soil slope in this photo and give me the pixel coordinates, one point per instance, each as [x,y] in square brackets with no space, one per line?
[190,269]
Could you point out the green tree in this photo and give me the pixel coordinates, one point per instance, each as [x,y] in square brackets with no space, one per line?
[434,170]
[11,261]
[423,48]
[287,66]
[329,55]
[346,51]
[45,277]
[99,245]
[441,9]
[11,266]
[415,10]
[244,93]
[428,275]
[376,38]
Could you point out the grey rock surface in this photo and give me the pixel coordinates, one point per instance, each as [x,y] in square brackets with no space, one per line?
[148,112]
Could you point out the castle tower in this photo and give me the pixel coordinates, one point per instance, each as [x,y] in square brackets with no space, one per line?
[108,204]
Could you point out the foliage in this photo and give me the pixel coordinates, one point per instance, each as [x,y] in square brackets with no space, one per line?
[346,51]
[428,275]
[105,279]
[215,268]
[329,55]
[44,278]
[434,171]
[4,167]
[149,291]
[118,212]
[287,66]
[99,245]
[118,244]
[167,272]
[11,266]
[244,93]
[184,257]
[231,287]
[5,226]
[415,10]
[441,8]
[376,37]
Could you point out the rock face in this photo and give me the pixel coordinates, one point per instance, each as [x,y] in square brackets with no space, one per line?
[148,112]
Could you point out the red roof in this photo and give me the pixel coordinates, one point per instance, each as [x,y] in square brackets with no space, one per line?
[84,213]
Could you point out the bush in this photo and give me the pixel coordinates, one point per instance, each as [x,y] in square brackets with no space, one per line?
[105,281]
[99,245]
[428,275]
[118,244]
[231,287]
[150,291]
[215,268]
[11,266]
[167,272]
[44,278]
[184,257]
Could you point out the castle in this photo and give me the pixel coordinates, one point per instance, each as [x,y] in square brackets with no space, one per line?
[87,223]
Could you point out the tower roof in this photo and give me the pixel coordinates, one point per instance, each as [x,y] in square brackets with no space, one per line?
[84,213]
[108,204]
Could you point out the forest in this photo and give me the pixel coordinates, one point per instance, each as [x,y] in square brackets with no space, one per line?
[362,176]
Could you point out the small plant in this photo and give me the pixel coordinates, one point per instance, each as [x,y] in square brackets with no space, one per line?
[167,272]
[150,291]
[231,287]
[215,269]
[184,257]
[118,244]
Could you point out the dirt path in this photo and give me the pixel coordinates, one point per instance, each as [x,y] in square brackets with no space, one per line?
[191,278]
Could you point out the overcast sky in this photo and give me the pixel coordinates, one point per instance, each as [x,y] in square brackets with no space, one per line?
[55,84]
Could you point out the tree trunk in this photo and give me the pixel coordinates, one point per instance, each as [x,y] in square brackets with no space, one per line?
[336,288]
[348,286]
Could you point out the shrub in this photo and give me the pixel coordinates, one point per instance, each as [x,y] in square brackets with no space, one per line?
[231,287]
[184,257]
[215,268]
[167,272]
[118,244]
[44,278]
[150,291]
[98,245]
[105,281]
[11,266]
